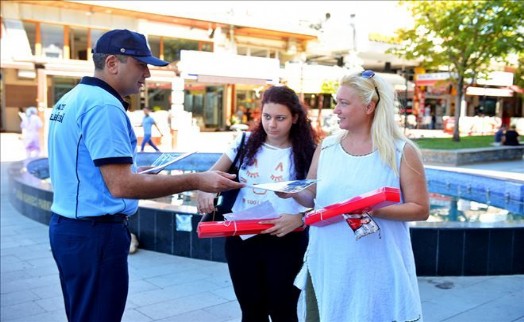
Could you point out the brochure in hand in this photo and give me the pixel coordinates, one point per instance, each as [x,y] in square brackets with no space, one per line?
[285,186]
[165,160]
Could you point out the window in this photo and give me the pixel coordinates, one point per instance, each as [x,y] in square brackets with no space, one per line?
[61,85]
[244,51]
[206,46]
[30,29]
[154,45]
[257,52]
[158,95]
[78,43]
[52,41]
[172,48]
[95,35]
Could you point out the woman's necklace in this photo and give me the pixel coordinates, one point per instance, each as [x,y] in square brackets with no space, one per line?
[355,149]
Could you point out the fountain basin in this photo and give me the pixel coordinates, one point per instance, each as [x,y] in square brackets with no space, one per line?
[440,248]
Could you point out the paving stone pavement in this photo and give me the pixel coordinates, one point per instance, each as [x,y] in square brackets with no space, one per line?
[171,288]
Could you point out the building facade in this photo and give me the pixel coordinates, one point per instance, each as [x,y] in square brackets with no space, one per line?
[216,69]
[218,65]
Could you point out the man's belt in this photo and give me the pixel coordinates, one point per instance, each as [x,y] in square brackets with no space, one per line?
[105,219]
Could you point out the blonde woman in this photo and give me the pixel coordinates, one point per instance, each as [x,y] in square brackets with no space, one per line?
[364,277]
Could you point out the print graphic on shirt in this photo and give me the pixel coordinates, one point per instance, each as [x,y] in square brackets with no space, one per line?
[59,115]
[277,174]
[255,173]
[278,178]
[275,177]
[252,174]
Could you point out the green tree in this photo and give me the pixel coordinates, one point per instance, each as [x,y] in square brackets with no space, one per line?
[519,74]
[462,37]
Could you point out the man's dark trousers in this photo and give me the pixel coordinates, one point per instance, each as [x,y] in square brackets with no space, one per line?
[92,261]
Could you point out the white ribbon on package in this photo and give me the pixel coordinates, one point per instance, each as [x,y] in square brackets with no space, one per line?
[262,211]
[228,223]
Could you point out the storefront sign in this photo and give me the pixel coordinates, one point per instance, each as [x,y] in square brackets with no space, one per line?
[496,79]
[483,91]
[430,79]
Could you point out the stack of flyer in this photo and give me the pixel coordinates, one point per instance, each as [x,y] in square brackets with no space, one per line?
[165,160]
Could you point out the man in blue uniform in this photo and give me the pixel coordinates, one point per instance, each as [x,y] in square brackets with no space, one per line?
[92,149]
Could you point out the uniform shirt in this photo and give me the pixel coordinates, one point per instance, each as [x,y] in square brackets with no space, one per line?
[89,128]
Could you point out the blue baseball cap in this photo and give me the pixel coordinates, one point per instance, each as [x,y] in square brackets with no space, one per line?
[129,43]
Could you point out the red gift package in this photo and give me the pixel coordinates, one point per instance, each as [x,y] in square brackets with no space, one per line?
[225,228]
[372,200]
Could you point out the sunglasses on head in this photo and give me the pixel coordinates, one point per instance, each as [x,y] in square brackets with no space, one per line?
[368,74]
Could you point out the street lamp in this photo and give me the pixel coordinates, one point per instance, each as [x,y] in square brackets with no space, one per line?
[405,104]
[406,75]
[352,62]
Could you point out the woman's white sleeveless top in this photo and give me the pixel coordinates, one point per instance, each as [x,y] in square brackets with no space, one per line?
[370,279]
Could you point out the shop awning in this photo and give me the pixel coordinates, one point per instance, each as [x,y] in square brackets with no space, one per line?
[487,91]
[230,80]
[228,68]
[310,78]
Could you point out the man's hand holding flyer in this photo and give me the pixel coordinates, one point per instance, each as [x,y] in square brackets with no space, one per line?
[285,186]
[165,160]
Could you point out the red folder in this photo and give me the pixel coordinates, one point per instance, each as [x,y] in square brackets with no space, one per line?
[372,200]
[210,229]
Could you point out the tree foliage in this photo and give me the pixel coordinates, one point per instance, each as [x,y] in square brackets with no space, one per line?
[519,74]
[462,37]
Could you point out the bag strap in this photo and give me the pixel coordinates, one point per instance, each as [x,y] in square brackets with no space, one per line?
[240,152]
[240,155]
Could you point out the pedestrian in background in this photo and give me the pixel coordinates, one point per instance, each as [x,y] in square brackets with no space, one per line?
[370,276]
[511,136]
[31,125]
[263,267]
[499,135]
[96,187]
[147,123]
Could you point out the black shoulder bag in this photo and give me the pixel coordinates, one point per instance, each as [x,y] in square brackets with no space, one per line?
[226,199]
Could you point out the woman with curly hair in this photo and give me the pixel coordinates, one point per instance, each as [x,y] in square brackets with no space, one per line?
[262,268]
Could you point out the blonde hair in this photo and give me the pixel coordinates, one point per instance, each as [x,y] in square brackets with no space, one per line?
[384,129]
